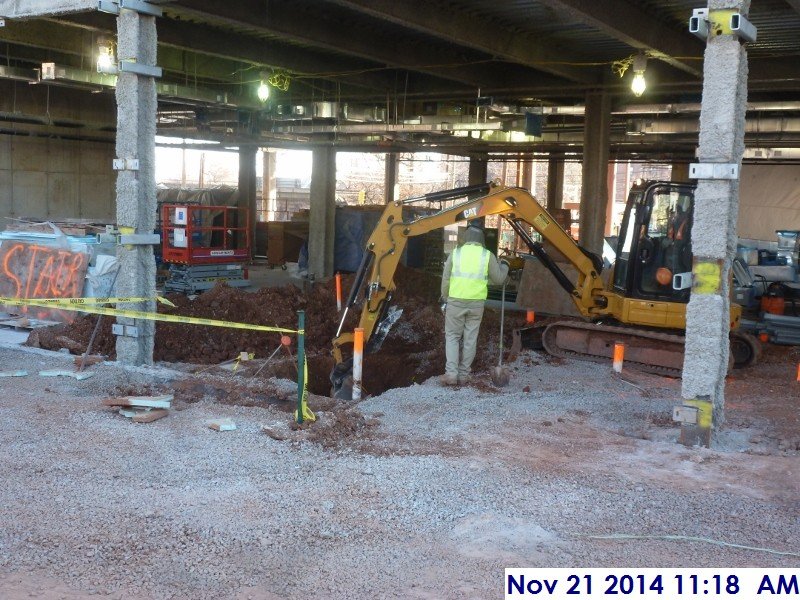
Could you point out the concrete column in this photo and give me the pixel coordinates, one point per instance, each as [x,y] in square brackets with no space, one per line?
[680,172]
[391,177]
[478,169]
[478,173]
[722,120]
[594,188]
[136,190]
[527,175]
[269,186]
[612,181]
[247,188]
[323,213]
[555,182]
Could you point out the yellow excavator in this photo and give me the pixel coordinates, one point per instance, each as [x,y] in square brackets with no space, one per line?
[642,302]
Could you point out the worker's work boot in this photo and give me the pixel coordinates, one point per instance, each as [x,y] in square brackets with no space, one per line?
[464,379]
[447,379]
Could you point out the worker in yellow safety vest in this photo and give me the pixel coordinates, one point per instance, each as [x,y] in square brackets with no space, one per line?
[465,280]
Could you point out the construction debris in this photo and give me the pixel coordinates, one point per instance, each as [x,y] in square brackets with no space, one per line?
[141,409]
[74,375]
[94,359]
[140,401]
[148,416]
[222,425]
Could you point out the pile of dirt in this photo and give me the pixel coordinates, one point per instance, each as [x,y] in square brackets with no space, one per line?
[412,352]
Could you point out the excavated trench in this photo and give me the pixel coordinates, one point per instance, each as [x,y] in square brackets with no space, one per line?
[412,352]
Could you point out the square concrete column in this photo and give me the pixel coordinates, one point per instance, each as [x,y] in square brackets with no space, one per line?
[594,188]
[526,181]
[247,188]
[136,189]
[478,173]
[612,182]
[269,186]
[722,121]
[680,172]
[390,186]
[323,213]
[555,182]
[478,170]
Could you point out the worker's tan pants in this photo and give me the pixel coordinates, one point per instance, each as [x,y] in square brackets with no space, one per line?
[462,322]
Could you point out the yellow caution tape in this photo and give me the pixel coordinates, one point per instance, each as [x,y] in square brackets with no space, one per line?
[93,301]
[308,414]
[90,306]
[147,316]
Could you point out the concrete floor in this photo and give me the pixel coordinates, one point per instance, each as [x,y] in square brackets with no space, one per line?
[430,492]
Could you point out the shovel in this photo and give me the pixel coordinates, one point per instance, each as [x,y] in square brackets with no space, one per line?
[500,375]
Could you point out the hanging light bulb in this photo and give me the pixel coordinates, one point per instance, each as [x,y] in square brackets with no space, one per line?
[106,61]
[263,90]
[639,83]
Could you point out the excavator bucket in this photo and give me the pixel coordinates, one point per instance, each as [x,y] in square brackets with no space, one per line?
[383,328]
[342,374]
[342,380]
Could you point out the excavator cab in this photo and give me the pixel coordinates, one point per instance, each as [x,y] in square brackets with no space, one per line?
[654,249]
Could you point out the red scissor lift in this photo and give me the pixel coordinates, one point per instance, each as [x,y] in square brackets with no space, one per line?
[204,245]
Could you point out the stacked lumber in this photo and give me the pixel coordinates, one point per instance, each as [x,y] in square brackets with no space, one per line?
[141,409]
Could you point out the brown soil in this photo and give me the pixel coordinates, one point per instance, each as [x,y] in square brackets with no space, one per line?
[412,352]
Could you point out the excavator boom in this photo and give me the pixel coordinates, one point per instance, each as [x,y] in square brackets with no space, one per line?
[657,348]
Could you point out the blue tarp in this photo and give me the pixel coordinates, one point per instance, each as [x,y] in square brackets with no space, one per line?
[353,227]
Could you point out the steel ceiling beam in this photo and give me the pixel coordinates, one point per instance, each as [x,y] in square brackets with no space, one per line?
[52,36]
[212,41]
[626,22]
[24,9]
[304,23]
[430,18]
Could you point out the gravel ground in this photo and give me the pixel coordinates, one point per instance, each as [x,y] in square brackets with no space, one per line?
[429,494]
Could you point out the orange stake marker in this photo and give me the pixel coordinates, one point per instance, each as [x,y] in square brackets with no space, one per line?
[358,361]
[798,371]
[530,317]
[339,292]
[619,356]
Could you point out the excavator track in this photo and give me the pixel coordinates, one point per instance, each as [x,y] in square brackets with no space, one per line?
[645,350]
[649,351]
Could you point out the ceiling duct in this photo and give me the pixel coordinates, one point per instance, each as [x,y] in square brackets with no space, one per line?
[329,111]
[53,74]
[692,126]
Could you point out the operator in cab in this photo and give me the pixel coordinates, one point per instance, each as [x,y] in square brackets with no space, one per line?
[467,273]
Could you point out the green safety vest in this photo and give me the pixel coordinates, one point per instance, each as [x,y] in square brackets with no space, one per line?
[469,277]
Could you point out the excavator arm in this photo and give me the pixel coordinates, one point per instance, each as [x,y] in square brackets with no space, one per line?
[375,275]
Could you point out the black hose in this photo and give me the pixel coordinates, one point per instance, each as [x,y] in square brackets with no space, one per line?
[537,249]
[366,261]
[481,188]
